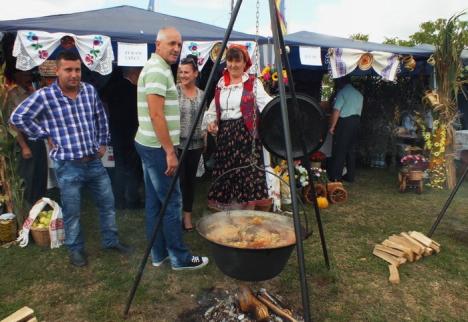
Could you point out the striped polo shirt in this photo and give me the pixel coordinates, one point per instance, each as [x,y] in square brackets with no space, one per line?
[156,78]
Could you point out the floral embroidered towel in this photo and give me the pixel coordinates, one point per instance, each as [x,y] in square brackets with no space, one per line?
[32,48]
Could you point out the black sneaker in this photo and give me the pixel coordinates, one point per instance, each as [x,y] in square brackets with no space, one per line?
[122,248]
[77,258]
[195,263]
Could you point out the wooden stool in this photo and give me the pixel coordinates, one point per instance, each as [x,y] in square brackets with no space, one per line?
[415,178]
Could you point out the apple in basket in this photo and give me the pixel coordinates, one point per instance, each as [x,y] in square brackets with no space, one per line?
[43,219]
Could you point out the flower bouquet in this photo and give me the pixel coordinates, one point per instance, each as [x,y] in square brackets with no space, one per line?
[320,175]
[300,173]
[269,78]
[414,162]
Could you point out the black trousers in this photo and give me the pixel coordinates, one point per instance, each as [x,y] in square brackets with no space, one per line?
[128,177]
[344,148]
[188,171]
[34,172]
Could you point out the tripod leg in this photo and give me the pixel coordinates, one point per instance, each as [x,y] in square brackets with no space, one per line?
[302,139]
[447,203]
[182,157]
[287,138]
[319,224]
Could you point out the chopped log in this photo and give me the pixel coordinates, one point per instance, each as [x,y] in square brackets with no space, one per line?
[387,257]
[22,315]
[436,243]
[278,311]
[414,242]
[435,247]
[418,257]
[394,277]
[32,320]
[408,252]
[428,251]
[426,241]
[391,251]
[403,241]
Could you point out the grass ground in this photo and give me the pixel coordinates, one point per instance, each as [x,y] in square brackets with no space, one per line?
[355,289]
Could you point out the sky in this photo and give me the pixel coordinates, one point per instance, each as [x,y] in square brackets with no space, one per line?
[377,18]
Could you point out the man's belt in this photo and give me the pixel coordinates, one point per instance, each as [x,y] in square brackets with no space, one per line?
[87,158]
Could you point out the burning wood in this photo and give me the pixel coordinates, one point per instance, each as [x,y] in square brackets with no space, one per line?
[245,306]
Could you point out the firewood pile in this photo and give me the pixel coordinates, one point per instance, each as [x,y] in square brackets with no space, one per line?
[406,247]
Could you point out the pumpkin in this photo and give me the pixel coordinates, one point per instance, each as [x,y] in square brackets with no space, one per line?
[322,202]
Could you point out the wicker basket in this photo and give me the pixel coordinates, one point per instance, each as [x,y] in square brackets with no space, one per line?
[41,236]
[7,230]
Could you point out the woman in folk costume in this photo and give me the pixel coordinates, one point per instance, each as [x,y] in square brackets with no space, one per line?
[230,117]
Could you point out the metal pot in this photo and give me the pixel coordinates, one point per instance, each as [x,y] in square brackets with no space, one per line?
[247,264]
[310,123]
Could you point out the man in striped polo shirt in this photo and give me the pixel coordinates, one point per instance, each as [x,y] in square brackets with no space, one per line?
[155,141]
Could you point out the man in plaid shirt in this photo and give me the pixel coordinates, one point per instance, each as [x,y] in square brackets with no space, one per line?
[70,115]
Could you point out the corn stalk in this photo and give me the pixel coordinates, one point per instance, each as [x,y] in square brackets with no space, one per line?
[9,152]
[449,68]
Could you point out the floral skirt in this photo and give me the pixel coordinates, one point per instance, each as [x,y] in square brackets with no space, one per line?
[242,188]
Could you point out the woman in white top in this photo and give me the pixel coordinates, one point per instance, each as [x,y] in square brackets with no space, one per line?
[233,117]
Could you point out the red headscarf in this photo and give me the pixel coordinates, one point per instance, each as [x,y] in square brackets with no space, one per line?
[246,56]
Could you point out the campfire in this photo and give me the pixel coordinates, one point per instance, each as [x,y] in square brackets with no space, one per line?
[244,305]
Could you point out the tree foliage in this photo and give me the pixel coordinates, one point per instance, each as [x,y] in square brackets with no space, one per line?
[429,33]
[359,36]
[399,42]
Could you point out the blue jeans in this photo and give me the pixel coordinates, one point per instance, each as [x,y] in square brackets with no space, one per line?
[71,177]
[169,239]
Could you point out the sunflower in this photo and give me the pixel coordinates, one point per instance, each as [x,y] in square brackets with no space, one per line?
[274,76]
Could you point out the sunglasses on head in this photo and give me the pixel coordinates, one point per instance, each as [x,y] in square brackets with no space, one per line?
[189,60]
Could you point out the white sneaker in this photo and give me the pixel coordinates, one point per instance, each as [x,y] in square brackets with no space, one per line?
[157,264]
[195,263]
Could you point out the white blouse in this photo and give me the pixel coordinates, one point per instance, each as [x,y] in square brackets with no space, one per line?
[230,99]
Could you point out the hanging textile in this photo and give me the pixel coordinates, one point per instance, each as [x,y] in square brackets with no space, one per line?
[343,61]
[32,48]
[203,50]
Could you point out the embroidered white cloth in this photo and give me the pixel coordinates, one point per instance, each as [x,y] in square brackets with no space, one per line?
[202,50]
[343,61]
[56,231]
[33,47]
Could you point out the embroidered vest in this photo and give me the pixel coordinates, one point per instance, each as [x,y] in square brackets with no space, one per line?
[247,106]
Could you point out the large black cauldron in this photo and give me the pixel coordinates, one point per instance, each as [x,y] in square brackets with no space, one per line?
[242,263]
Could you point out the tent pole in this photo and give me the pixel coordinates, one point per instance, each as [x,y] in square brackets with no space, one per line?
[151,5]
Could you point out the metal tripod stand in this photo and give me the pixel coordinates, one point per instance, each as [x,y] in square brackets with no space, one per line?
[280,52]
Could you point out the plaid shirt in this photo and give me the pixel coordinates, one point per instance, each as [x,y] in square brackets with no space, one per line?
[77,127]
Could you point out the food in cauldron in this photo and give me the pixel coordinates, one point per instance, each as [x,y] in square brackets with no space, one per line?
[251,231]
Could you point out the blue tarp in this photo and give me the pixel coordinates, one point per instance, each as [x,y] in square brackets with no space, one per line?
[122,23]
